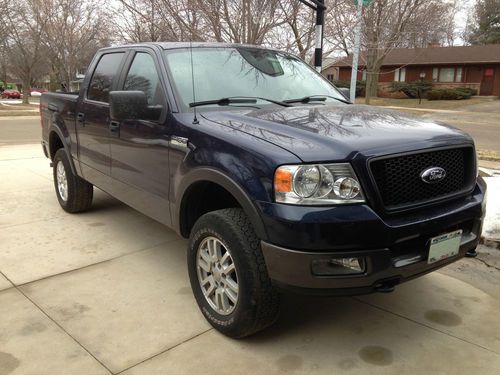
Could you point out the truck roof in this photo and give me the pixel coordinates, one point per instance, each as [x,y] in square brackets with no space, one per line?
[174,45]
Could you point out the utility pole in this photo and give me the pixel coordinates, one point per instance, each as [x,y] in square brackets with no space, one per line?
[319,7]
[320,21]
[355,56]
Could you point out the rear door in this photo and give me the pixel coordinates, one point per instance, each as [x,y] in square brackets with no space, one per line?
[140,148]
[93,122]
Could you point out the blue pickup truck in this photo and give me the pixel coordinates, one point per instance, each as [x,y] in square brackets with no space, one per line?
[276,179]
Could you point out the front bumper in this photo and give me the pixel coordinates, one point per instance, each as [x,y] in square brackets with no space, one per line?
[395,249]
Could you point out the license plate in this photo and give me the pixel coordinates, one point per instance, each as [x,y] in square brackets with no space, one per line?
[444,246]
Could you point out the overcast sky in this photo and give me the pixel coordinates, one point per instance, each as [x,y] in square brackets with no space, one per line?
[467,7]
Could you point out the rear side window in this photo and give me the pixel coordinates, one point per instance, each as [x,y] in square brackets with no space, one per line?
[142,76]
[102,79]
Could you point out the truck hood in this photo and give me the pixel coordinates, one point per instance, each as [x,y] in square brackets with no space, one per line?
[339,132]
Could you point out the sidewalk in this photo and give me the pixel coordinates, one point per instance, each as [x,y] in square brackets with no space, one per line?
[107,291]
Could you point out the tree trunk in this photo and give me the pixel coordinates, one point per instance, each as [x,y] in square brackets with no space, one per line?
[26,90]
[373,65]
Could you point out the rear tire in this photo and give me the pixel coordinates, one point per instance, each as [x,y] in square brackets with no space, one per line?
[73,193]
[243,300]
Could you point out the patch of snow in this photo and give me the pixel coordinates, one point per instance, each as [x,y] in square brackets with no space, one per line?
[491,226]
[11,101]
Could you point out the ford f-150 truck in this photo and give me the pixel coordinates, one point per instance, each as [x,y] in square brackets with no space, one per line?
[276,179]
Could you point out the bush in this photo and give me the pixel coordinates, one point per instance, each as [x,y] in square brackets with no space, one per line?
[360,86]
[411,89]
[467,90]
[448,94]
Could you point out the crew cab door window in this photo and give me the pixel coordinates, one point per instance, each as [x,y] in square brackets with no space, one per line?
[142,76]
[102,79]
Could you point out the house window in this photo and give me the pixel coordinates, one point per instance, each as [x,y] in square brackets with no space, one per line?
[330,77]
[400,75]
[447,75]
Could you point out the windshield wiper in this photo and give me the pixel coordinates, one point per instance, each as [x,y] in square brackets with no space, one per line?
[238,100]
[314,98]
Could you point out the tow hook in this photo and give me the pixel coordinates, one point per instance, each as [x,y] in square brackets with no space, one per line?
[471,253]
[386,286]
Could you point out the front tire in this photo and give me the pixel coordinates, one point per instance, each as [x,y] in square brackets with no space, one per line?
[73,193]
[228,274]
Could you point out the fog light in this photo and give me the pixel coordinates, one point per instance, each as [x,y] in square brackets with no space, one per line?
[338,266]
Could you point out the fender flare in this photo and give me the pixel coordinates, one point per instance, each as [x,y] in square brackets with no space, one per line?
[219,178]
[65,140]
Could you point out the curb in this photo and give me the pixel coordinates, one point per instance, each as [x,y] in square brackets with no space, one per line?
[487,172]
[493,243]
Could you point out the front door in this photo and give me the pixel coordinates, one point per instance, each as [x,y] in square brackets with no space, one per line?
[487,82]
[140,148]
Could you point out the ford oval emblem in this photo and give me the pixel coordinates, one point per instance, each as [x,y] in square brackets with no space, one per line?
[433,175]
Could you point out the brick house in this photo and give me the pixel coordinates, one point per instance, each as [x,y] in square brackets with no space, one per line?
[476,67]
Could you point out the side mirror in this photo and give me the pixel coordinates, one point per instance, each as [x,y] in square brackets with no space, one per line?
[346,92]
[132,105]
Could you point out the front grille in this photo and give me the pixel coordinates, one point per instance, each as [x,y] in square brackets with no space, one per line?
[400,185]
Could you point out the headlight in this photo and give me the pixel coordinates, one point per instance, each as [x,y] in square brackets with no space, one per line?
[320,184]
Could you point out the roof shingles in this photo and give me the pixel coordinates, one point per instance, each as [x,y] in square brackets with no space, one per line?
[439,55]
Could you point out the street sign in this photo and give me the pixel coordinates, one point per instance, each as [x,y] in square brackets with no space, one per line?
[365,2]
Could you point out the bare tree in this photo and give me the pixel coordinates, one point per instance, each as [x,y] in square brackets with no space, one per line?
[296,34]
[149,21]
[3,40]
[26,21]
[84,27]
[243,21]
[340,23]
[485,23]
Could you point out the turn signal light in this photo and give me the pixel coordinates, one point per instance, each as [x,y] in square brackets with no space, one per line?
[283,180]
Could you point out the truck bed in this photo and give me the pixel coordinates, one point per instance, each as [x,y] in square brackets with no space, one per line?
[60,108]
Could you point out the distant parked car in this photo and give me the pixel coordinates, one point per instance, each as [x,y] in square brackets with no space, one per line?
[37,92]
[11,94]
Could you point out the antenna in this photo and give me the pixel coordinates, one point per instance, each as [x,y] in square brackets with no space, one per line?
[195,119]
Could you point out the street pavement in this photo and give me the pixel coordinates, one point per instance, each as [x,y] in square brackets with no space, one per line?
[107,291]
[20,130]
[481,121]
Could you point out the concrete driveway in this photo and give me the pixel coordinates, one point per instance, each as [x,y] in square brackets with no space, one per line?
[107,292]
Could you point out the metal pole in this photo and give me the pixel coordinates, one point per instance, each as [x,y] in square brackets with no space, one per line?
[320,20]
[355,56]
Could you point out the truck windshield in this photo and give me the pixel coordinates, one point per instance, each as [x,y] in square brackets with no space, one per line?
[244,72]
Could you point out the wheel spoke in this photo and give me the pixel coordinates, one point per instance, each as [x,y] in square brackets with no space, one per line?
[212,250]
[218,250]
[218,300]
[231,285]
[225,258]
[224,300]
[228,270]
[231,296]
[204,261]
